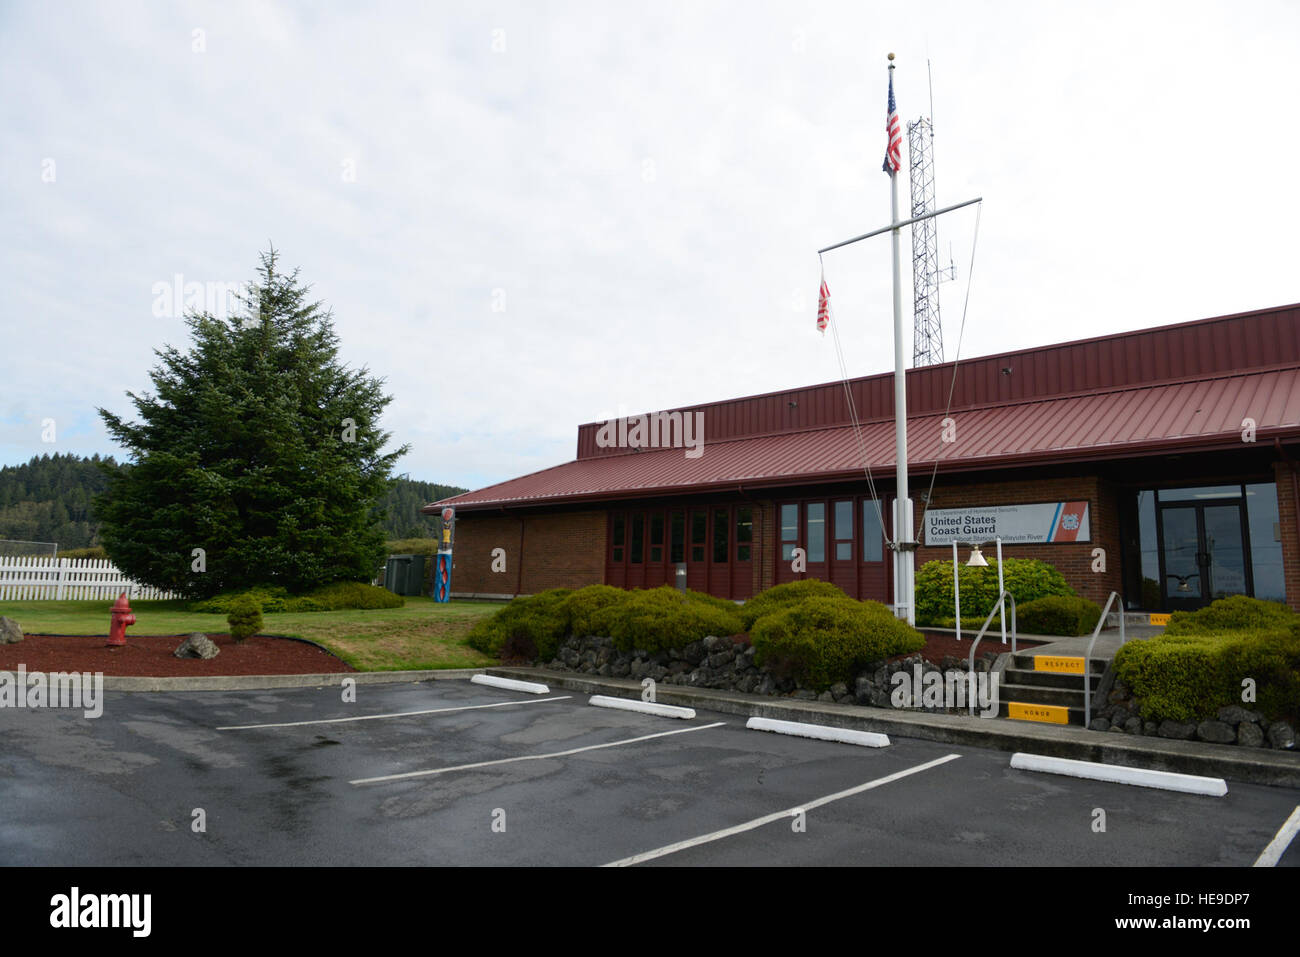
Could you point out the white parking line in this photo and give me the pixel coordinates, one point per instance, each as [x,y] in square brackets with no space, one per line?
[778,816]
[533,757]
[1277,847]
[394,714]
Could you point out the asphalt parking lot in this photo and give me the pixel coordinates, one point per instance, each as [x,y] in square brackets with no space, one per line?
[484,776]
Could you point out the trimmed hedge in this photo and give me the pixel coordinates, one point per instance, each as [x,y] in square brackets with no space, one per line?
[244,618]
[585,604]
[1026,578]
[530,627]
[1231,614]
[660,619]
[783,596]
[1057,615]
[273,599]
[1188,677]
[820,641]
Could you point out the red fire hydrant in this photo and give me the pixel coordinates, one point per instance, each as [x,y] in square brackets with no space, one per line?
[121,618]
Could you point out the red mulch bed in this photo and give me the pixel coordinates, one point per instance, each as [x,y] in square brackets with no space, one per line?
[150,657]
[938,644]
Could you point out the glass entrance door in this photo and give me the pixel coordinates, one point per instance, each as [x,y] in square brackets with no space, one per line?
[1203,553]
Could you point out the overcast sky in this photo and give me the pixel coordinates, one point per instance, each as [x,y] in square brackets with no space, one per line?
[529,216]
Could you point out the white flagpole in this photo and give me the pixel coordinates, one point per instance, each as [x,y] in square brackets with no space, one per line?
[903,579]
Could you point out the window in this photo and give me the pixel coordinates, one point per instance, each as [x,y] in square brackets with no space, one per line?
[789,531]
[720,535]
[744,533]
[638,534]
[816,538]
[619,533]
[699,532]
[844,531]
[677,547]
[657,537]
[873,536]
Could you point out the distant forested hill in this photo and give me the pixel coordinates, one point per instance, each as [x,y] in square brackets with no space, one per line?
[404,502]
[50,499]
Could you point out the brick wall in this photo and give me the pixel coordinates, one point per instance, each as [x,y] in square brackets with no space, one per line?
[1073,560]
[562,550]
[1286,513]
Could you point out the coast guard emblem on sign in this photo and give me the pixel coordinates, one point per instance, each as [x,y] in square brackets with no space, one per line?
[1070,521]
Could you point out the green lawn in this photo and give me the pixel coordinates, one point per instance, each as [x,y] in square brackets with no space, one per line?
[423,634]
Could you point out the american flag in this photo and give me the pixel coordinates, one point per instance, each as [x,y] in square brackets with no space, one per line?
[824,307]
[894,151]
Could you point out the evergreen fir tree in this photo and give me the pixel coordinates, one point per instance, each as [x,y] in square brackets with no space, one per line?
[258,446]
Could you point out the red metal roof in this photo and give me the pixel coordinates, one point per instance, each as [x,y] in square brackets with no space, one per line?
[1204,413]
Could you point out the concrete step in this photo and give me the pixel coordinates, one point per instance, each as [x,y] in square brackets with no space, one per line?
[1025,660]
[1035,694]
[1033,713]
[1047,679]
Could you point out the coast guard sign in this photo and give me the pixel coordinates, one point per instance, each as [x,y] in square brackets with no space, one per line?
[1042,522]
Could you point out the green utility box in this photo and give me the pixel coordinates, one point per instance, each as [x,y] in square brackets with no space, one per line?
[404,574]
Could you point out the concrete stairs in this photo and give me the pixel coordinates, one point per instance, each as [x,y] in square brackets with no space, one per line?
[1047,688]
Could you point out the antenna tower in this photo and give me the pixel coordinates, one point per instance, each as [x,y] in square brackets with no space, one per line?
[927,343]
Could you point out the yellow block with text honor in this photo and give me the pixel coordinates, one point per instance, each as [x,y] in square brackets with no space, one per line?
[1159,619]
[1050,713]
[1058,664]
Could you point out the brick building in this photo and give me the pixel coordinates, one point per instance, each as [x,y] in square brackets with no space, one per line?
[1159,463]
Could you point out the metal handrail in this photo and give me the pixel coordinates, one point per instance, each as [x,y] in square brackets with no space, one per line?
[1000,604]
[1087,655]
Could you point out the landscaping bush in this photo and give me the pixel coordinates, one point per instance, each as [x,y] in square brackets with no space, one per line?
[530,627]
[274,599]
[1188,677]
[1057,615]
[1026,578]
[96,551]
[820,641]
[412,546]
[585,604]
[783,596]
[1231,614]
[244,618]
[663,618]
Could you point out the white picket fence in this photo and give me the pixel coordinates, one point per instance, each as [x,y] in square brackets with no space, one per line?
[67,579]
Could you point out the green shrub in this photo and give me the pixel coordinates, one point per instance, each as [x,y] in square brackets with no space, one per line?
[1188,677]
[344,595]
[413,546]
[783,596]
[244,618]
[969,626]
[820,641]
[1026,578]
[659,619]
[1057,615]
[530,627]
[1231,614]
[273,599]
[96,551]
[585,604]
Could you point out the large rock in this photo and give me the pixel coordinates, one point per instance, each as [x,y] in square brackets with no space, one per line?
[1281,735]
[1250,734]
[197,645]
[1235,714]
[1177,730]
[1216,732]
[10,633]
